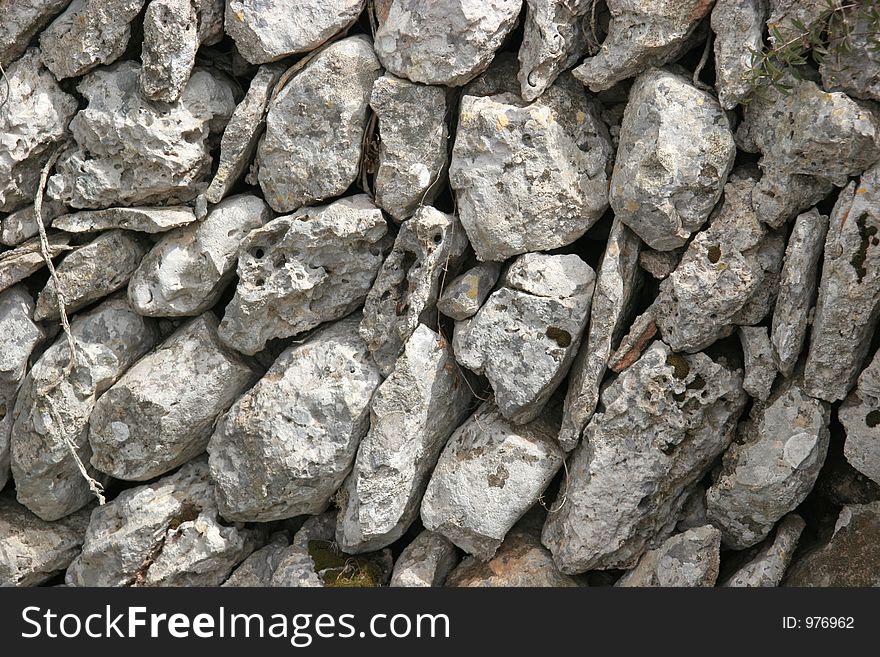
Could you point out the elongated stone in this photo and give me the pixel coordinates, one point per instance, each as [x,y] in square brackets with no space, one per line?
[51,413]
[19,263]
[407,286]
[664,421]
[21,225]
[465,294]
[286,445]
[760,372]
[21,21]
[738,26]
[187,270]
[301,270]
[689,559]
[171,39]
[860,416]
[412,415]
[258,568]
[425,562]
[489,474]
[660,264]
[142,220]
[768,566]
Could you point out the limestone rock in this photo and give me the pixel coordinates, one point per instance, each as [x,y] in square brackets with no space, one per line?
[171,39]
[89,33]
[676,150]
[33,551]
[529,177]
[210,14]
[22,261]
[161,413]
[797,288]
[21,225]
[297,567]
[760,372]
[412,151]
[848,306]
[445,42]
[860,415]
[612,302]
[693,513]
[166,533]
[779,198]
[55,401]
[689,559]
[772,468]
[142,220]
[465,294]
[664,421]
[133,151]
[267,30]
[92,272]
[284,448]
[660,264]
[489,474]
[406,289]
[258,568]
[33,120]
[738,26]
[412,415]
[21,21]
[312,146]
[526,335]
[855,70]
[768,566]
[301,270]
[642,33]
[499,78]
[425,562]
[186,271]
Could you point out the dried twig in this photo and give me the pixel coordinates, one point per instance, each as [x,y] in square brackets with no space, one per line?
[705,58]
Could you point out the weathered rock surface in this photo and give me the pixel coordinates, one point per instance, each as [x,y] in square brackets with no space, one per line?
[133,151]
[161,413]
[660,264]
[142,220]
[21,21]
[21,225]
[171,39]
[856,69]
[443,41]
[860,416]
[312,146]
[465,294]
[258,568]
[689,559]
[768,566]
[405,292]
[267,30]
[412,415]
[693,512]
[425,562]
[166,533]
[51,413]
[771,468]
[797,289]
[526,335]
[676,150]
[33,551]
[93,271]
[612,302]
[284,448]
[642,33]
[89,33]
[665,420]
[738,26]
[529,177]
[760,372]
[301,270]
[187,270]
[22,261]
[489,474]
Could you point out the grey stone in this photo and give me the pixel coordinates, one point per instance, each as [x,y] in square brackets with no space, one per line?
[779,198]
[267,30]
[313,143]
[856,69]
[284,448]
[258,568]
[406,289]
[425,562]
[676,150]
[301,270]
[527,334]
[162,411]
[641,333]
[613,299]
[171,39]
[239,141]
[89,33]
[21,21]
[664,421]
[186,271]
[33,551]
[642,33]
[210,14]
[465,294]
[21,225]
[499,78]
[659,264]
[848,306]
[768,257]
[530,177]
[738,26]
[797,289]
[412,415]
[783,13]
[444,42]
[412,150]
[860,416]
[93,271]
[56,398]
[142,220]
[166,533]
[33,120]
[22,261]
[768,566]
[297,566]
[771,468]
[133,151]
[760,371]
[693,512]
[689,559]
[489,474]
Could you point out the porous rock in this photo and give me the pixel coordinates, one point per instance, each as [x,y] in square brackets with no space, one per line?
[297,567]
[21,21]
[856,68]
[465,294]
[760,372]
[21,225]
[425,562]
[19,263]
[171,39]
[738,26]
[860,416]
[142,219]
[768,566]
[689,559]
[258,568]
[660,264]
